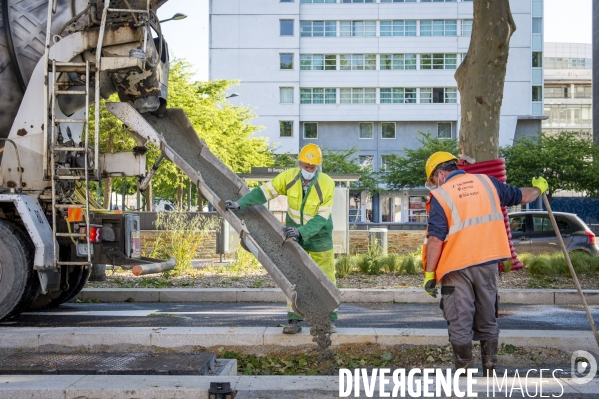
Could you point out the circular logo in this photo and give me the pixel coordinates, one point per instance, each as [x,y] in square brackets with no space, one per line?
[580,360]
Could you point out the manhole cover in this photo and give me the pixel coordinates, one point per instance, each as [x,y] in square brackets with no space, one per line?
[108,363]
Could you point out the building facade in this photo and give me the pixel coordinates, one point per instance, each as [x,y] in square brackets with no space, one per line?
[568,88]
[369,74]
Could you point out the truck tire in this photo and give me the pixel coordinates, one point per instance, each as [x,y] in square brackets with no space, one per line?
[54,298]
[17,278]
[72,293]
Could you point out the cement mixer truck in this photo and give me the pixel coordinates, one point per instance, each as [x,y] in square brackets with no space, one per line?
[57,59]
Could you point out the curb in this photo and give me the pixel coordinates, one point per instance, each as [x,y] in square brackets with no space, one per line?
[98,339]
[348,295]
[282,387]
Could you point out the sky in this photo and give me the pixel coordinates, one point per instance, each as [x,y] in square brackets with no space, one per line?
[566,21]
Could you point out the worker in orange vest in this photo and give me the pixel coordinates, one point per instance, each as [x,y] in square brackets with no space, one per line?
[465,239]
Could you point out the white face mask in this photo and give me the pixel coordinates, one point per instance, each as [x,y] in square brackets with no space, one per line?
[308,175]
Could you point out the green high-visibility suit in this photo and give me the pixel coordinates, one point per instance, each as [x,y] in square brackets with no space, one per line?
[310,213]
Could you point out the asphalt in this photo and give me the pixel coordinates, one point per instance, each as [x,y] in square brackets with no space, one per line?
[263,314]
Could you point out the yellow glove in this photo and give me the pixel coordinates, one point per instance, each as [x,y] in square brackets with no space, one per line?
[540,183]
[429,284]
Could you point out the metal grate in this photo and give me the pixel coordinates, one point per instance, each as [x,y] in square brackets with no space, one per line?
[108,363]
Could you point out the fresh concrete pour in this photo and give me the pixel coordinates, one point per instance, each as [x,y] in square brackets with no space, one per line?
[268,239]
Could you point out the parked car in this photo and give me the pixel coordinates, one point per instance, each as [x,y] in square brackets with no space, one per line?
[532,232]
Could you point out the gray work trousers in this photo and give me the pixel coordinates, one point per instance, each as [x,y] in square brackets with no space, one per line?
[470,301]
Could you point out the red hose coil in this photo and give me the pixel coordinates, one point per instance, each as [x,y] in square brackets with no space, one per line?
[495,168]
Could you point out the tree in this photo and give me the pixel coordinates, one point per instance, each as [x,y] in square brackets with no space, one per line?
[407,170]
[222,126]
[481,77]
[344,162]
[567,161]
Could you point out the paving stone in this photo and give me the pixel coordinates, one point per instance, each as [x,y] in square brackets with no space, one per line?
[571,297]
[20,337]
[564,340]
[88,337]
[275,336]
[413,295]
[400,336]
[36,386]
[356,295]
[261,295]
[528,297]
[356,336]
[173,337]
[199,295]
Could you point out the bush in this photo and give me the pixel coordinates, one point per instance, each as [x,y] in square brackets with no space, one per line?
[377,266]
[542,265]
[244,261]
[408,266]
[391,262]
[179,237]
[364,262]
[343,266]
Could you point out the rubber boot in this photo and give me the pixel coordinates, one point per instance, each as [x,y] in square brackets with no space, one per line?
[488,354]
[462,356]
[293,327]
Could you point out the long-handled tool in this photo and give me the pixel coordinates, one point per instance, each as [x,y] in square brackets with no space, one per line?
[569,262]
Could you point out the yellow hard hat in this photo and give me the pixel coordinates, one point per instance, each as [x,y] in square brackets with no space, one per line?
[310,154]
[437,159]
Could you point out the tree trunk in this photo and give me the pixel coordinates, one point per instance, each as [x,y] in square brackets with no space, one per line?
[149,198]
[108,181]
[180,194]
[481,77]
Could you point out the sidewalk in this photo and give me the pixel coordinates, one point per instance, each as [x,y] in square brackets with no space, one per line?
[349,295]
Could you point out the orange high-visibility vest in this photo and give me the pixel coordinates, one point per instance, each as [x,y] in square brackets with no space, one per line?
[476,225]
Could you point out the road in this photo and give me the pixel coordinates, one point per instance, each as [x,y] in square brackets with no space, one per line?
[214,314]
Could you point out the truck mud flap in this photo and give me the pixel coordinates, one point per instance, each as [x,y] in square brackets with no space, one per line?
[260,232]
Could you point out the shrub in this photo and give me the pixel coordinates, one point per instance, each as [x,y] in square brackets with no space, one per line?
[179,237]
[343,266]
[364,262]
[542,265]
[244,261]
[376,267]
[392,262]
[408,266]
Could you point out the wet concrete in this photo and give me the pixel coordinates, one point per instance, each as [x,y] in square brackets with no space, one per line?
[262,232]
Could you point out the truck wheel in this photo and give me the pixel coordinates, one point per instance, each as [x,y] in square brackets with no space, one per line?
[16,271]
[72,293]
[54,298]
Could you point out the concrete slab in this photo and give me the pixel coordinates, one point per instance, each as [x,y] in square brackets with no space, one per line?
[147,387]
[120,294]
[591,387]
[20,337]
[199,295]
[96,337]
[564,340]
[36,386]
[530,297]
[571,297]
[261,295]
[402,336]
[354,336]
[275,336]
[230,367]
[287,383]
[367,295]
[174,337]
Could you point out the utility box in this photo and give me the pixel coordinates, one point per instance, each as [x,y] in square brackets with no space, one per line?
[378,240]
[132,236]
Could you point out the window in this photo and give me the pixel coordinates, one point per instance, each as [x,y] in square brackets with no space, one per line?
[388,130]
[557,91]
[366,130]
[466,27]
[438,1]
[537,93]
[318,62]
[438,61]
[398,61]
[438,27]
[583,92]
[385,162]
[318,96]
[398,96]
[318,28]
[398,28]
[286,27]
[537,25]
[398,1]
[357,1]
[357,96]
[444,130]
[286,1]
[366,161]
[357,28]
[286,128]
[310,130]
[286,95]
[537,59]
[357,62]
[286,61]
[318,1]
[438,95]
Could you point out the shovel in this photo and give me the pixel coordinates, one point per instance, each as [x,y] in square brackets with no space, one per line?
[569,262]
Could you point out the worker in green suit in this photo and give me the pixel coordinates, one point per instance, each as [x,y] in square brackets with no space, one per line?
[310,202]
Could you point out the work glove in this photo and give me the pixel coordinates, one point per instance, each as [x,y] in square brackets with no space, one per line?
[291,232]
[231,205]
[540,183]
[429,284]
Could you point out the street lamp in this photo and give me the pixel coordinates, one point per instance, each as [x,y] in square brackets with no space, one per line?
[233,95]
[178,16]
